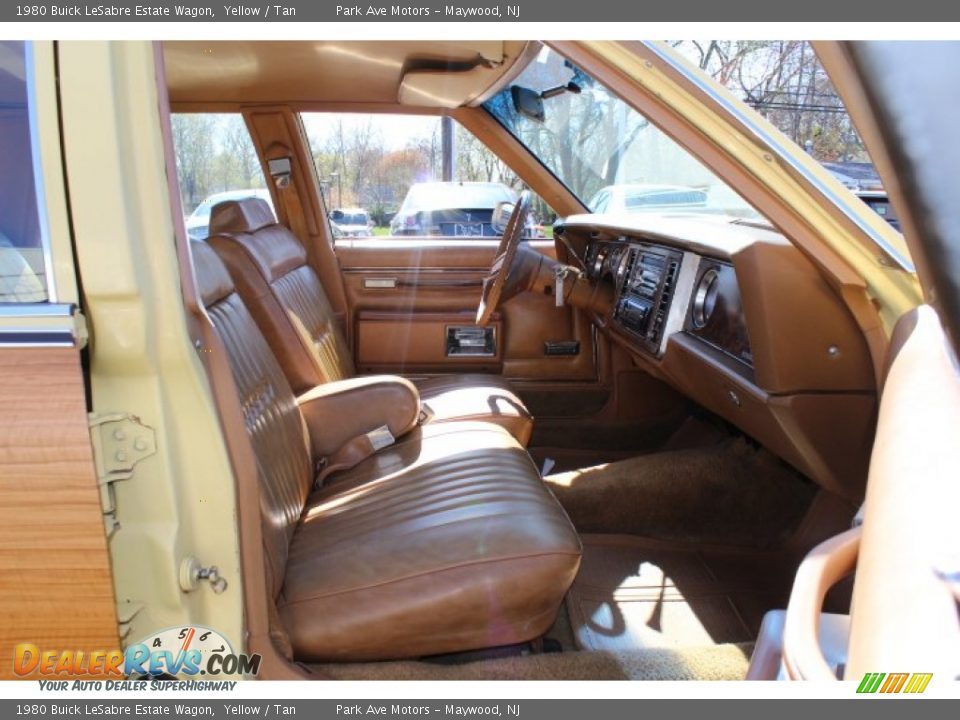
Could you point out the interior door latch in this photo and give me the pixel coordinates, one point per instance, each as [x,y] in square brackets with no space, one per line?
[120,441]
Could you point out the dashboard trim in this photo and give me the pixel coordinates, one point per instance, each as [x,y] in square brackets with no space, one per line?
[682,292]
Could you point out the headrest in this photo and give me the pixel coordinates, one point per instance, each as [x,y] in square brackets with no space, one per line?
[275,251]
[213,280]
[240,216]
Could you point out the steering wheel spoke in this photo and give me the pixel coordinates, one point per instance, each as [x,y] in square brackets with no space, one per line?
[493,284]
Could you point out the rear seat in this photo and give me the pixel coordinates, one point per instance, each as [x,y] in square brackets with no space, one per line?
[445,541]
[285,296]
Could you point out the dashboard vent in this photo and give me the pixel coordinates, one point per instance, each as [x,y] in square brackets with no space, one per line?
[663,305]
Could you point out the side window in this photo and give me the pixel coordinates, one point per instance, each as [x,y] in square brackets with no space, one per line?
[382,175]
[216,161]
[24,259]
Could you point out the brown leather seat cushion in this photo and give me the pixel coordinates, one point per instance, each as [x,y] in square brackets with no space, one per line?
[477,397]
[288,302]
[444,542]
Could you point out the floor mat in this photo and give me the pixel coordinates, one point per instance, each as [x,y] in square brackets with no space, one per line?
[715,662]
[635,593]
[730,493]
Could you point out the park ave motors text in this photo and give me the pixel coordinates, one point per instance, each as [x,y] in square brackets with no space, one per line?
[492,710]
[454,11]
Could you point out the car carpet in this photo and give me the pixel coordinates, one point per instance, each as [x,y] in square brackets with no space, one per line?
[729,493]
[634,593]
[718,662]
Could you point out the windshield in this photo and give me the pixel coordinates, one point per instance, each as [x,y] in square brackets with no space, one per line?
[467,195]
[203,210]
[349,218]
[611,157]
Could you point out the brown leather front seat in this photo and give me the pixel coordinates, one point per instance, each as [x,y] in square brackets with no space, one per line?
[445,541]
[285,296]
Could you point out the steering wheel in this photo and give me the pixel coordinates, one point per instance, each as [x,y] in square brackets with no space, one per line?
[496,279]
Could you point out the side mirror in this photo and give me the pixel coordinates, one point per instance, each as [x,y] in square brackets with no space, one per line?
[501,215]
[528,103]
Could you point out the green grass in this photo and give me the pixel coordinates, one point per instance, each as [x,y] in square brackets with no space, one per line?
[385,231]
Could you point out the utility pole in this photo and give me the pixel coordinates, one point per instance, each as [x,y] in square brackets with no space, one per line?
[449,147]
[339,188]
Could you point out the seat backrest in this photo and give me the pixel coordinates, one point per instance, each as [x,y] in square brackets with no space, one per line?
[282,292]
[270,413]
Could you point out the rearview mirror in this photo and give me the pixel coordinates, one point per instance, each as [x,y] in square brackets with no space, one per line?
[501,215]
[528,103]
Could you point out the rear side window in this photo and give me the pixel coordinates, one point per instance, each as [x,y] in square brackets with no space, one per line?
[24,255]
[216,161]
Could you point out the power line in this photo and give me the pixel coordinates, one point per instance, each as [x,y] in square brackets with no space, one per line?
[796,107]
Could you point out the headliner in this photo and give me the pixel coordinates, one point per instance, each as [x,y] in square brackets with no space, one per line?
[347,72]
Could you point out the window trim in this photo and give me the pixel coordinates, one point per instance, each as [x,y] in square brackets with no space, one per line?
[43,219]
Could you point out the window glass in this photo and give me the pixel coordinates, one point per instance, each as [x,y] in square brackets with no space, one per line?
[607,154]
[382,175]
[784,81]
[24,261]
[216,161]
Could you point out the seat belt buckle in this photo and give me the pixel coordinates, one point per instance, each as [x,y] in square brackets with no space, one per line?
[380,438]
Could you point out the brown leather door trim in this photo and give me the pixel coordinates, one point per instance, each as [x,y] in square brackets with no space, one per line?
[442,284]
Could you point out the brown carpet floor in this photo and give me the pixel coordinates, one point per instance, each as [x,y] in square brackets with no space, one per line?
[634,593]
[720,662]
[729,493]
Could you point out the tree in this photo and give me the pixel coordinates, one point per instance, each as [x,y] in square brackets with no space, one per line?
[193,138]
[214,153]
[785,82]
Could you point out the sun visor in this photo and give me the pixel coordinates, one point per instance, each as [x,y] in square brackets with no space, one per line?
[448,83]
[446,88]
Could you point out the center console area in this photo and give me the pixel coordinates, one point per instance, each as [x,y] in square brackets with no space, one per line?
[660,290]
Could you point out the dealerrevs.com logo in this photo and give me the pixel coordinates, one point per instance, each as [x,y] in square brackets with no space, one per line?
[175,652]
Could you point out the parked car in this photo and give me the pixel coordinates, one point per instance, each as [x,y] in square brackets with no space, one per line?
[634,198]
[352,222]
[880,204]
[199,220]
[462,209]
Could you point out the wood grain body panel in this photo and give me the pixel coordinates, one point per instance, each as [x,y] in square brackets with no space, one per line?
[56,587]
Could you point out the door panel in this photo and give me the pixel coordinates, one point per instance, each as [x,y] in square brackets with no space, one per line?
[421,341]
[403,294]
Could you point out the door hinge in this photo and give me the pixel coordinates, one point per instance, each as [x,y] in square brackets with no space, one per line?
[126,612]
[120,441]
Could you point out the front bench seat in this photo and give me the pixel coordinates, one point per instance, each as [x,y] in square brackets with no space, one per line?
[285,296]
[445,541]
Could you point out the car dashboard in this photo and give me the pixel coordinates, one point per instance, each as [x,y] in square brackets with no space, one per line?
[740,321]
